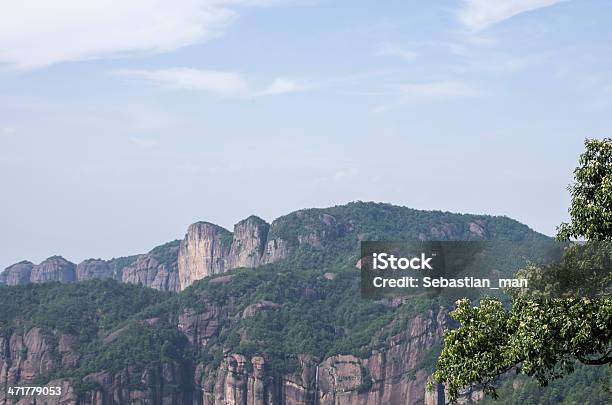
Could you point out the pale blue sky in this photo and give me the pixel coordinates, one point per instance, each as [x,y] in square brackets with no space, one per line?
[121,124]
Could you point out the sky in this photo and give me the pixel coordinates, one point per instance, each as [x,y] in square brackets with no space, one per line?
[123,122]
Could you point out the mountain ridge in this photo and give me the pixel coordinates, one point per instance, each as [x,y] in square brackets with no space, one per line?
[252,336]
[209,249]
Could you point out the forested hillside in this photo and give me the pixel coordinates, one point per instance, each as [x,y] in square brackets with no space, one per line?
[293,331]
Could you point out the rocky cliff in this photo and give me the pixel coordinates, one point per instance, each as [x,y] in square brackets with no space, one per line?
[25,357]
[395,375]
[55,268]
[157,269]
[209,249]
[18,273]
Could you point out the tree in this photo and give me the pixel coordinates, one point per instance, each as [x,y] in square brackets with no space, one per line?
[591,207]
[544,333]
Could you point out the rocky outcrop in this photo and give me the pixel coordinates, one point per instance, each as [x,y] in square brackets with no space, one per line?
[253,309]
[208,249]
[23,357]
[155,385]
[55,268]
[152,270]
[17,274]
[93,268]
[248,242]
[157,269]
[199,327]
[394,375]
[204,252]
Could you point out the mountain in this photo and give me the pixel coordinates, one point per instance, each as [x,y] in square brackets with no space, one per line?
[208,249]
[267,314]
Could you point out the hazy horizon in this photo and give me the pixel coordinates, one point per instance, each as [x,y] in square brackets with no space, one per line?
[122,125]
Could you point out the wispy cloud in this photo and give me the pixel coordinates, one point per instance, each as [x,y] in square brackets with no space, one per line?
[440,90]
[144,143]
[280,86]
[477,15]
[222,83]
[8,131]
[428,92]
[397,51]
[37,33]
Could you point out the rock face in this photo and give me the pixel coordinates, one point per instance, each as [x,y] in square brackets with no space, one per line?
[203,252]
[157,269]
[208,249]
[24,357]
[93,268]
[395,375]
[55,268]
[17,274]
[248,242]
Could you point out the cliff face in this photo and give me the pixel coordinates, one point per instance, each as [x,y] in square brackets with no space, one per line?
[93,268]
[248,242]
[157,269]
[17,274]
[396,375]
[24,357]
[208,249]
[203,252]
[55,268]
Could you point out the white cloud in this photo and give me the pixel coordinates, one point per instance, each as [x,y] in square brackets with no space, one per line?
[280,86]
[37,33]
[477,15]
[420,93]
[224,83]
[221,83]
[394,50]
[440,90]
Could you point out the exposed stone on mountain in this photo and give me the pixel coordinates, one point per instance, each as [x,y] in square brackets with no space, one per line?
[276,249]
[17,274]
[199,327]
[200,332]
[157,269]
[248,243]
[252,309]
[93,268]
[392,376]
[203,252]
[208,249]
[23,357]
[66,349]
[55,268]
[477,228]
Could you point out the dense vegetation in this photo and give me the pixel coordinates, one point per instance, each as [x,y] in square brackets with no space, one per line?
[586,385]
[317,307]
[544,334]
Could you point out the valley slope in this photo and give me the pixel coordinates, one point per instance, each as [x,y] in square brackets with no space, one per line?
[266,314]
